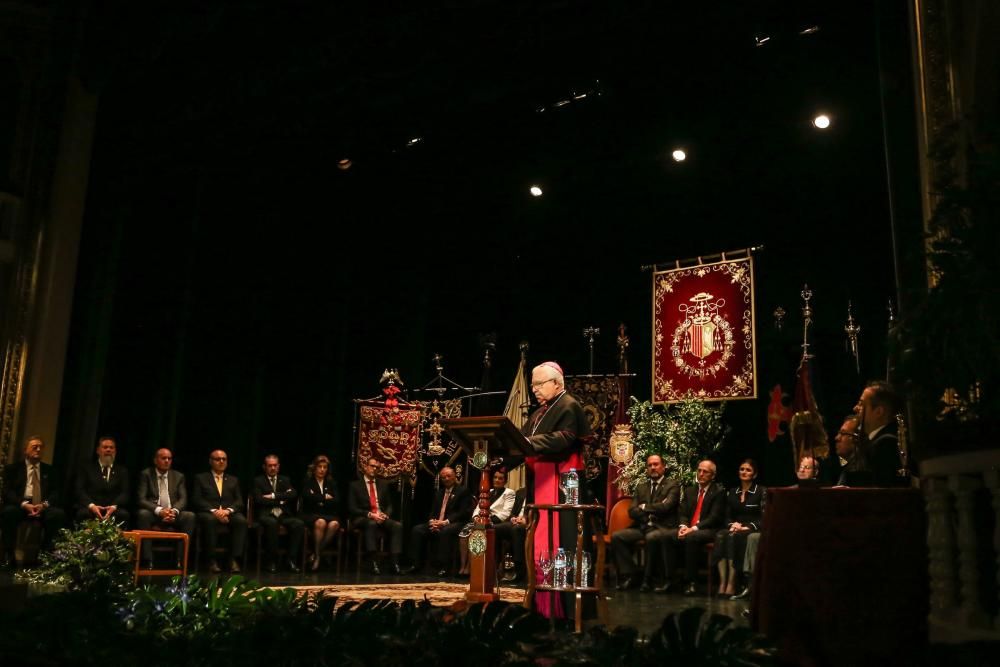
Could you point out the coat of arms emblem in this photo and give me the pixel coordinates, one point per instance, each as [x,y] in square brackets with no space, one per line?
[703,340]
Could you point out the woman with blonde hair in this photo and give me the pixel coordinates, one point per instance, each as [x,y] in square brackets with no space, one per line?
[319,506]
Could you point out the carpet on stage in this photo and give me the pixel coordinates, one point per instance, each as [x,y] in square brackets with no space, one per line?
[438,594]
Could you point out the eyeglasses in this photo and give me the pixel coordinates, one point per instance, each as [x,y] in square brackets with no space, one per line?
[539,384]
[801,468]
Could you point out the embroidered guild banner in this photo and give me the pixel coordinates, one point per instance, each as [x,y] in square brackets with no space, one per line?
[703,332]
[392,436]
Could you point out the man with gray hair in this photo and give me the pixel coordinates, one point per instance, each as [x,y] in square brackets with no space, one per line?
[702,511]
[556,431]
[163,502]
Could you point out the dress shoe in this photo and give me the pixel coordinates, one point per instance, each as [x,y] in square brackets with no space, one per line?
[234,567]
[442,573]
[375,568]
[271,568]
[742,595]
[629,582]
[409,569]
[645,587]
[665,588]
[213,567]
[690,590]
[293,568]
[745,613]
[396,569]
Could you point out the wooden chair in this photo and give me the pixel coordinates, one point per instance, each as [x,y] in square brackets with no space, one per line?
[617,520]
[163,546]
[28,541]
[358,536]
[258,528]
[159,535]
[335,549]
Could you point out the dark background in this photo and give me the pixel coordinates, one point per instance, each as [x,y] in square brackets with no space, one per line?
[237,289]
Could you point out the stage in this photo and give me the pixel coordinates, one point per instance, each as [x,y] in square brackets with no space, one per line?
[643,611]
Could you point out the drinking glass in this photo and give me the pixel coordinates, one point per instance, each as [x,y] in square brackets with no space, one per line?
[545,564]
[584,569]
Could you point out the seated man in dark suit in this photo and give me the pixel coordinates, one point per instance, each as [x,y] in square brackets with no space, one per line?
[29,494]
[217,499]
[501,502]
[102,486]
[274,502]
[369,504]
[876,410]
[162,502]
[702,511]
[514,531]
[654,515]
[449,512]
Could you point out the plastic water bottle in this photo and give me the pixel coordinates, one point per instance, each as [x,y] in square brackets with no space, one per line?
[585,569]
[559,569]
[572,487]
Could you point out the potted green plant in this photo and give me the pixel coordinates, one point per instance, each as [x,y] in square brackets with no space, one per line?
[683,433]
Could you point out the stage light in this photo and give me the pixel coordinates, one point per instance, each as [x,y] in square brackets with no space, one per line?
[535,191]
[821,121]
[344,164]
[414,141]
[761,40]
[679,155]
[809,30]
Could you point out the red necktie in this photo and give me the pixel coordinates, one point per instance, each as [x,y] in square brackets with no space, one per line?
[372,500]
[697,508]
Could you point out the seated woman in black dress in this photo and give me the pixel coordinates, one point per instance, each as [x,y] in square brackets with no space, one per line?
[319,506]
[744,513]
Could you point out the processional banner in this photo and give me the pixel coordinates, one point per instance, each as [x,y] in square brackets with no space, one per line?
[599,396]
[391,435]
[703,332]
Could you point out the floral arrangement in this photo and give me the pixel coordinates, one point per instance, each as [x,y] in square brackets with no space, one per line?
[94,558]
[683,433]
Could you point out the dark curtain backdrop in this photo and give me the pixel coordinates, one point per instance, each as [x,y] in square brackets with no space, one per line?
[237,290]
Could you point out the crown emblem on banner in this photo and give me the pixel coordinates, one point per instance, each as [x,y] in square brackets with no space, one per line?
[702,333]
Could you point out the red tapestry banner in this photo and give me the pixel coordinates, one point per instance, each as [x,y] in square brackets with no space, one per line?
[392,436]
[703,332]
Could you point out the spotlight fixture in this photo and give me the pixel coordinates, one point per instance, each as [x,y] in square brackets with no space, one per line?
[809,30]
[678,155]
[535,191]
[822,121]
[761,39]
[414,141]
[344,164]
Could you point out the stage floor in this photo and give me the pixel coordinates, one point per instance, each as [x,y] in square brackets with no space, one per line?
[644,611]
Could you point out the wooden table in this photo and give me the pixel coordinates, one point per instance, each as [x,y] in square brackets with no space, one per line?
[138,536]
[596,515]
[841,576]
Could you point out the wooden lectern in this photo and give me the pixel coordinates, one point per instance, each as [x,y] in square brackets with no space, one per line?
[484,439]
